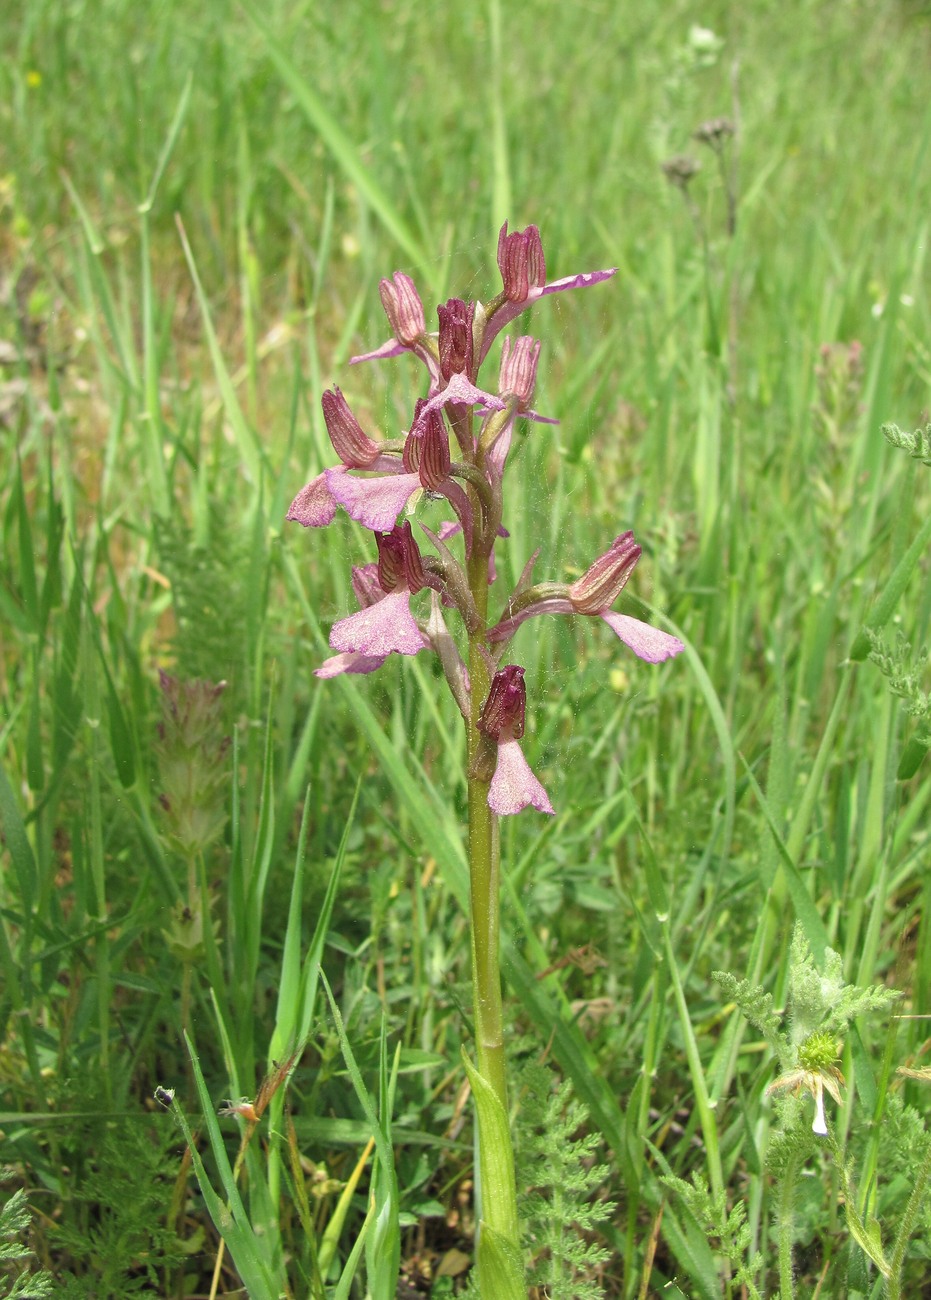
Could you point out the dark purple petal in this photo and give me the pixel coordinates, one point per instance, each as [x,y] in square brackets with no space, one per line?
[399,563]
[365,584]
[513,786]
[386,628]
[455,339]
[502,714]
[434,461]
[646,641]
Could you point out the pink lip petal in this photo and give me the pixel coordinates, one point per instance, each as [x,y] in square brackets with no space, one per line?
[513,786]
[314,506]
[349,662]
[387,627]
[646,641]
[460,390]
[375,502]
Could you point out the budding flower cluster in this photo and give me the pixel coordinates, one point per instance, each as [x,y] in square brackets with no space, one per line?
[192,762]
[456,451]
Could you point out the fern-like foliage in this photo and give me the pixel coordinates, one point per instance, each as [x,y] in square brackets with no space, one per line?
[120,1245]
[757,1006]
[16,1282]
[728,1229]
[558,1182]
[819,1000]
[905,672]
[917,444]
[211,596]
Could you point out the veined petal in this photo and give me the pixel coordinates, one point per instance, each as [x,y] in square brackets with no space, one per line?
[537,418]
[403,307]
[384,628]
[646,641]
[508,626]
[375,502]
[349,662]
[314,506]
[574,282]
[513,786]
[390,348]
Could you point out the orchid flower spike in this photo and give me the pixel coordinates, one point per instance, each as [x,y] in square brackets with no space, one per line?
[453,459]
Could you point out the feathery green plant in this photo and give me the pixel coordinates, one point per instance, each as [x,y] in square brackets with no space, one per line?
[15,1220]
[559,1179]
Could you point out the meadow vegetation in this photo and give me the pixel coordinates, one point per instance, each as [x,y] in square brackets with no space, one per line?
[196,205]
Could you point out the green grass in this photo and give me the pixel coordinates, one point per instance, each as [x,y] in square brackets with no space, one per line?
[196,204]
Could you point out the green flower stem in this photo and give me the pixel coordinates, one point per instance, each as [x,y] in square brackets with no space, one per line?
[495,1149]
[485,876]
[785,1224]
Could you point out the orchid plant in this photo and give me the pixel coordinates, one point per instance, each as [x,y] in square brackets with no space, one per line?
[456,450]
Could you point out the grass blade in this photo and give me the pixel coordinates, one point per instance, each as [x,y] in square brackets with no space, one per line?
[342,148]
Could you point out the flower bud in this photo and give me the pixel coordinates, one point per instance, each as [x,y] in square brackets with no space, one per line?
[455,341]
[192,762]
[352,445]
[521,262]
[599,587]
[502,715]
[518,374]
[403,308]
[399,563]
[681,170]
[715,132]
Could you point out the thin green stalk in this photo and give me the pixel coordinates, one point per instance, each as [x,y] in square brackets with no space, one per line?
[485,873]
[499,1260]
[784,1228]
[93,711]
[709,1127]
